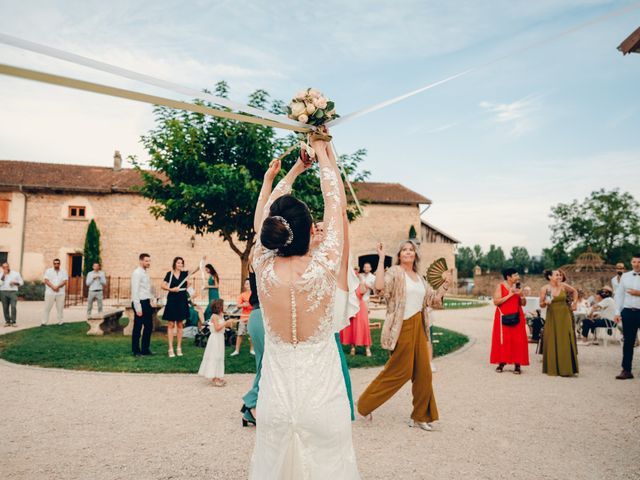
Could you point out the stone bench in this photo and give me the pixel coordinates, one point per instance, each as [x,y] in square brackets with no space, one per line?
[105,322]
[131,314]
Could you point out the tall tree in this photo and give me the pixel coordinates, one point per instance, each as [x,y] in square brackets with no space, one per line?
[494,259]
[519,259]
[606,221]
[206,172]
[91,247]
[465,262]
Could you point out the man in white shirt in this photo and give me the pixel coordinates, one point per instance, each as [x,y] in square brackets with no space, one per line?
[55,280]
[10,280]
[95,281]
[615,281]
[628,304]
[141,295]
[369,281]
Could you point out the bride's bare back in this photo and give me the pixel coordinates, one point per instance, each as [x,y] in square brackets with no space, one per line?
[297,293]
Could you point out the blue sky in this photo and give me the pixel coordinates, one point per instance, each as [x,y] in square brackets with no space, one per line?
[494,149]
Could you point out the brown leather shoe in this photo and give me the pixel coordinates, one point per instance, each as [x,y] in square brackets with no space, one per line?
[624,375]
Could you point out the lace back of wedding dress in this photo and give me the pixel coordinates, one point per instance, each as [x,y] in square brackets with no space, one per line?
[299,308]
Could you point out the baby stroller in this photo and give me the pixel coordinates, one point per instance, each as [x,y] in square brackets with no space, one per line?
[230,313]
[202,337]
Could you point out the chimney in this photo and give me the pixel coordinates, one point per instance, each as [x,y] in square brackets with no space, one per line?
[117,161]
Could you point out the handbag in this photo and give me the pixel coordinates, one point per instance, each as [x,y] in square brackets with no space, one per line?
[509,320]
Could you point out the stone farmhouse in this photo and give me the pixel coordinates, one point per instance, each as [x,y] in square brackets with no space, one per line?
[45,209]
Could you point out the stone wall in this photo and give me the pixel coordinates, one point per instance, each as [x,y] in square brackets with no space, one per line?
[11,233]
[127,229]
[586,281]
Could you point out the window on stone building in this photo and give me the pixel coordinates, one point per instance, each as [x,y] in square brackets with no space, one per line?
[77,212]
[4,256]
[4,210]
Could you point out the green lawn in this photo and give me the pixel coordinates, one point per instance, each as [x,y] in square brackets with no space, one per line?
[68,346]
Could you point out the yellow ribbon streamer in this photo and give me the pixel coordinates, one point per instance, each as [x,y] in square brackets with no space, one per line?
[139,97]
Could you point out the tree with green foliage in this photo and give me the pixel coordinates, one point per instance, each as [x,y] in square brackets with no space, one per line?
[412,232]
[91,247]
[494,259]
[607,221]
[206,172]
[519,259]
[465,262]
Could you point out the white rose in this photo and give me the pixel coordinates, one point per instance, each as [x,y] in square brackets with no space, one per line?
[303,118]
[300,95]
[314,93]
[320,102]
[331,113]
[310,108]
[297,108]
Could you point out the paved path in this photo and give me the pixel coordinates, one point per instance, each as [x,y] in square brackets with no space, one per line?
[76,425]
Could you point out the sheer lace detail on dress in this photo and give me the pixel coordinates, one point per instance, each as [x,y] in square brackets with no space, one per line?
[301,310]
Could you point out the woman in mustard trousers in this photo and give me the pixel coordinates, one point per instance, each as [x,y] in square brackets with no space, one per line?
[405,334]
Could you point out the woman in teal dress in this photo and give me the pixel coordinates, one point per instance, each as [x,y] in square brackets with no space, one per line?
[560,351]
[212,287]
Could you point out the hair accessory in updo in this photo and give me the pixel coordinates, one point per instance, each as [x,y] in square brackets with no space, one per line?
[288,227]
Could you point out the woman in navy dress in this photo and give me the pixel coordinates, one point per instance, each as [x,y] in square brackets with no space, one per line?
[176,310]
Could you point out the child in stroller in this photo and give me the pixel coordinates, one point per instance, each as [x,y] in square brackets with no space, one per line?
[202,337]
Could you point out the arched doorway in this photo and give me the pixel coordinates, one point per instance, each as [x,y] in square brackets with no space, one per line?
[373,260]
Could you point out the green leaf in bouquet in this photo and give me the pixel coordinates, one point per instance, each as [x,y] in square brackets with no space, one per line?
[319,113]
[330,106]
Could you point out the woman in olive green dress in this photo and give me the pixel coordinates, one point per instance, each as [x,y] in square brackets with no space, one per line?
[560,352]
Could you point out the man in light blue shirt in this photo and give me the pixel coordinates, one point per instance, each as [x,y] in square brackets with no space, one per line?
[95,281]
[10,280]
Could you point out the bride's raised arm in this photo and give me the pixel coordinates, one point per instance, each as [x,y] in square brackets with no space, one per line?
[343,273]
[267,197]
[330,183]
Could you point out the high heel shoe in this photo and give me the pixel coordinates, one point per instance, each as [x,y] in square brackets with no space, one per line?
[247,417]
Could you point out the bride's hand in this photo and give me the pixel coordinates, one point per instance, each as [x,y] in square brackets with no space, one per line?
[272,171]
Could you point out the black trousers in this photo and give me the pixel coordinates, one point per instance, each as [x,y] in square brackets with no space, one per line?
[536,328]
[142,324]
[630,326]
[589,325]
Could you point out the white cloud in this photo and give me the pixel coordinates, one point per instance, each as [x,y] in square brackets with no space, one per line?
[518,116]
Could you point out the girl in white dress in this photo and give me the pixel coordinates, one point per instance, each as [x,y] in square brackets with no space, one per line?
[304,421]
[212,365]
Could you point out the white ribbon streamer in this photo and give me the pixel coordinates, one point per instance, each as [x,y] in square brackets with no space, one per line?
[551,38]
[141,77]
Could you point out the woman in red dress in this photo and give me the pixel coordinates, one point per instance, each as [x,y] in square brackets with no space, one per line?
[509,342]
[358,333]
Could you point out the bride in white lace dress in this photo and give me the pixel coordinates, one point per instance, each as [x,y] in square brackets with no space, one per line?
[304,425]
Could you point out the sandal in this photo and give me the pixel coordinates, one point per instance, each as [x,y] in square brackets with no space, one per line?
[171,354]
[353,351]
[179,352]
[517,370]
[500,368]
[368,352]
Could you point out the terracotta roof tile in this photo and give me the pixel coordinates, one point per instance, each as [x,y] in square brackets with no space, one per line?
[376,192]
[65,177]
[83,178]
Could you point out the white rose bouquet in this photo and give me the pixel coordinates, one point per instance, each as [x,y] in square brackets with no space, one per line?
[311,107]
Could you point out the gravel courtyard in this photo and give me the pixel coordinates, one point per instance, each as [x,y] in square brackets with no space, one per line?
[80,425]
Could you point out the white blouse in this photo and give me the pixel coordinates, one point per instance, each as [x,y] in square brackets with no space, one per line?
[415,293]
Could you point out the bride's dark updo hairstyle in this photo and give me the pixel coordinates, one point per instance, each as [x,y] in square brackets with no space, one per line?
[275,234]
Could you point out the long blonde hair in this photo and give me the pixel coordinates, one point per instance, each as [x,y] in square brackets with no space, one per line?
[416,260]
